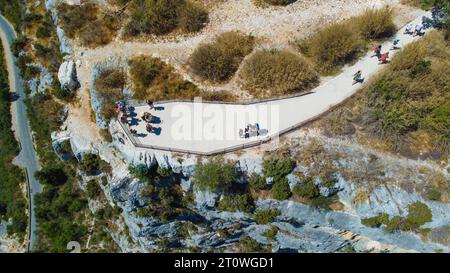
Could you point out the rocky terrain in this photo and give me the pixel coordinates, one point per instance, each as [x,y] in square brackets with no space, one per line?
[369,183]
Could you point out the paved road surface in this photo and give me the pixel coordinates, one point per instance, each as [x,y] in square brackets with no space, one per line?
[27,156]
[181,123]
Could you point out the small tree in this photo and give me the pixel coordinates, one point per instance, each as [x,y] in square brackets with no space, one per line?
[418,214]
[93,189]
[263,217]
[281,190]
[278,168]
[90,164]
[215,175]
[54,176]
[257,182]
[308,189]
[140,171]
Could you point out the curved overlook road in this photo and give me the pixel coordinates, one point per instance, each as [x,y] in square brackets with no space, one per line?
[182,122]
[27,157]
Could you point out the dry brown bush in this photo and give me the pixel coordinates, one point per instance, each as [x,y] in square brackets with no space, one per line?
[269,73]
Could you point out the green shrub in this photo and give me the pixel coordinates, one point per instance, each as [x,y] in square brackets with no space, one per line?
[164,16]
[434,194]
[52,176]
[270,73]
[376,23]
[109,88]
[19,45]
[396,223]
[45,29]
[257,182]
[271,233]
[412,94]
[249,245]
[343,42]
[91,164]
[215,175]
[140,171]
[376,221]
[219,60]
[281,190]
[418,214]
[164,172]
[333,46]
[72,18]
[236,202]
[329,182]
[192,17]
[278,168]
[154,80]
[93,26]
[164,201]
[98,32]
[93,189]
[263,217]
[307,189]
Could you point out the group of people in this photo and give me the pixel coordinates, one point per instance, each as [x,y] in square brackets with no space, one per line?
[383,58]
[148,119]
[414,31]
[250,131]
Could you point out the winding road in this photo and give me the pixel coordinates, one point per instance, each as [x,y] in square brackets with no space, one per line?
[27,157]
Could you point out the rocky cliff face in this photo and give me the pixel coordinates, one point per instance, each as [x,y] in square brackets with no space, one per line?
[301,227]
[367,184]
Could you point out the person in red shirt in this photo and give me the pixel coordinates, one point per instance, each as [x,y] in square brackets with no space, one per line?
[377,51]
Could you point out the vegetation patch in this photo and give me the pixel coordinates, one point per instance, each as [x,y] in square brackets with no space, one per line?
[418,214]
[271,233]
[278,168]
[249,245]
[216,175]
[154,80]
[281,190]
[160,17]
[220,60]
[12,10]
[54,176]
[12,200]
[92,164]
[307,189]
[257,182]
[236,202]
[109,88]
[263,217]
[88,22]
[376,221]
[269,73]
[162,193]
[341,43]
[412,94]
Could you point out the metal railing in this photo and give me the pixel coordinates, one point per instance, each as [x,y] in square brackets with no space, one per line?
[234,148]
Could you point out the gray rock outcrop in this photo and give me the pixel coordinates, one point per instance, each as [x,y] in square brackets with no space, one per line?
[67,76]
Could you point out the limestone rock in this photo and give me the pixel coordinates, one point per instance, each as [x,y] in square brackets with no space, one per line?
[67,76]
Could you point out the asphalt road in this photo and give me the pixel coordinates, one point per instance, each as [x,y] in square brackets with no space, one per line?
[27,157]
